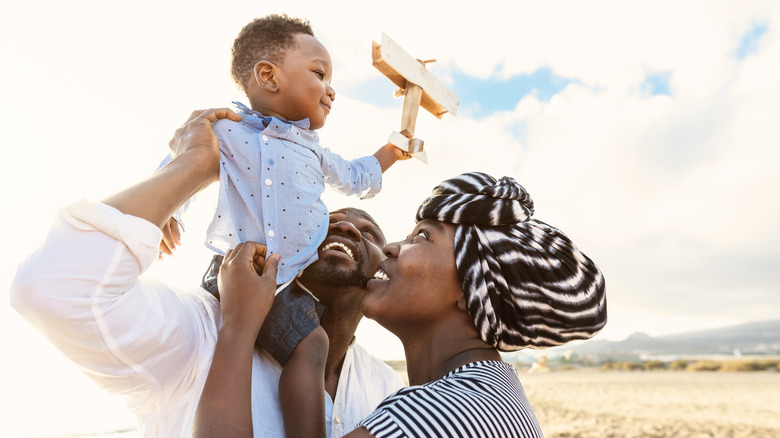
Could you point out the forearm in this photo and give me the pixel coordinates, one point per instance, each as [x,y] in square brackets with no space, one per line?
[195,149]
[225,404]
[225,407]
[387,155]
[159,196]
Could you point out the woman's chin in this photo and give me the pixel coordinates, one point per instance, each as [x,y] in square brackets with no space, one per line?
[367,309]
[370,303]
[373,284]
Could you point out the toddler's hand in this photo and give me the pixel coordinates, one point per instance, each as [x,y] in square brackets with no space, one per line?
[247,282]
[401,154]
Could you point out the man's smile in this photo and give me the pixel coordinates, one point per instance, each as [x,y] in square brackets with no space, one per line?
[340,247]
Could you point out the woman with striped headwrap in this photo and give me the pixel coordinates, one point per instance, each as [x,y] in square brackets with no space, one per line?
[477,276]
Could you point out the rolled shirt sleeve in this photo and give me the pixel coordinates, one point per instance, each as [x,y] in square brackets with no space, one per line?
[134,336]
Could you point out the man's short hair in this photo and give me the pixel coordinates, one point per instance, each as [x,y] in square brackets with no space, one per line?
[265,38]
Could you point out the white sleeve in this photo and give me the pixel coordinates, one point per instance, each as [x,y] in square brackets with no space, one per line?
[132,335]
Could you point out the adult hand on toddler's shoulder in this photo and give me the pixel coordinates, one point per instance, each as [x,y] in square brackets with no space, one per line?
[197,137]
[171,237]
[247,282]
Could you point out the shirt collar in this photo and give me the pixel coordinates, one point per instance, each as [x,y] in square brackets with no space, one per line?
[305,289]
[260,121]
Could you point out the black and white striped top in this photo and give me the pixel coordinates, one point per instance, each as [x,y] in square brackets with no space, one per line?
[480,400]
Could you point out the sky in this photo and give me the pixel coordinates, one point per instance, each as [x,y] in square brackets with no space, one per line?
[644,130]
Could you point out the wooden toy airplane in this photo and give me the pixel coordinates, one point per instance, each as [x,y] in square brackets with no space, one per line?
[418,86]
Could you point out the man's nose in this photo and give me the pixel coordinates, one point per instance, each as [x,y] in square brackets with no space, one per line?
[346,229]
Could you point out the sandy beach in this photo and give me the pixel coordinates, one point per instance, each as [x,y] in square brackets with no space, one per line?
[582,404]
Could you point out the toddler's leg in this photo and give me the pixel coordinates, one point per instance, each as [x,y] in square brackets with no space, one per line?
[292,317]
[302,387]
[209,280]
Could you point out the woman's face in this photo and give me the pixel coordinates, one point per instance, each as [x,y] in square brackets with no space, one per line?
[418,282]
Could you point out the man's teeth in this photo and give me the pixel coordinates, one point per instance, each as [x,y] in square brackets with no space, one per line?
[380,275]
[339,246]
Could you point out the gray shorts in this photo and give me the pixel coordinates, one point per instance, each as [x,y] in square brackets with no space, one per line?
[293,315]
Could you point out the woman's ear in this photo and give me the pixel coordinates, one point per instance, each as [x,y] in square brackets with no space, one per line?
[462,303]
[265,75]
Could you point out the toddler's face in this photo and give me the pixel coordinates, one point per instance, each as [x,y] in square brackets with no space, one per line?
[304,82]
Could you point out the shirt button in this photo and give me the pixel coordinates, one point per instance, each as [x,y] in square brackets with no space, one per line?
[265,138]
[268,182]
[270,233]
[337,419]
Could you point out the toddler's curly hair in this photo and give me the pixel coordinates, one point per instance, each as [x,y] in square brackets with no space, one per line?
[268,38]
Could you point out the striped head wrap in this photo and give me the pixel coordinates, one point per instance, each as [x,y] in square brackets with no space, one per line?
[526,284]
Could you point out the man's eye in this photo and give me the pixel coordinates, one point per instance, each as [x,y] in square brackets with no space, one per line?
[320,74]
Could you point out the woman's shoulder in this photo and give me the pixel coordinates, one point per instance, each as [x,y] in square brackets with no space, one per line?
[473,379]
[485,370]
[486,393]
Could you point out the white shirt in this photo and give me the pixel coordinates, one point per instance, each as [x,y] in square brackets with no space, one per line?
[355,398]
[148,341]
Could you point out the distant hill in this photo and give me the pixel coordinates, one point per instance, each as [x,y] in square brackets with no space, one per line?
[751,338]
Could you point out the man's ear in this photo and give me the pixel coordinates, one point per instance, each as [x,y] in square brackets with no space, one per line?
[265,75]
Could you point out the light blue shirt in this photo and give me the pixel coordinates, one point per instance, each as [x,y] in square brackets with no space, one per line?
[272,176]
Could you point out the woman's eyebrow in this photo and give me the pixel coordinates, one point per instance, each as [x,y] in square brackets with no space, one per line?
[433,223]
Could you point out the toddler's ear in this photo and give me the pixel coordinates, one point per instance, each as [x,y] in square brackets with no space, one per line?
[265,75]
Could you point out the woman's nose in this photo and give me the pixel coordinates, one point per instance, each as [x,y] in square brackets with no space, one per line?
[390,250]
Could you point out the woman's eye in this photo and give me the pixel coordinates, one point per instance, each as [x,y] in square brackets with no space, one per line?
[423,234]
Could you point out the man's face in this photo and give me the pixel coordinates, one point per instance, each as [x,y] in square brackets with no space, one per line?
[350,253]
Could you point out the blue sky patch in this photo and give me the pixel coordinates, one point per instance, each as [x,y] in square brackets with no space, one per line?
[748,44]
[478,97]
[481,97]
[657,83]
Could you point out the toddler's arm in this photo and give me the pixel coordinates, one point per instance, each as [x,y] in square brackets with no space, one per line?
[388,154]
[362,176]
